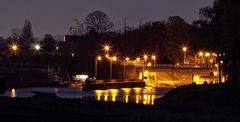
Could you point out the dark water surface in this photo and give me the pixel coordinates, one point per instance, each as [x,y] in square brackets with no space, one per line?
[145,95]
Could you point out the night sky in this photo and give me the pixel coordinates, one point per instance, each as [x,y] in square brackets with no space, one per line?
[55,16]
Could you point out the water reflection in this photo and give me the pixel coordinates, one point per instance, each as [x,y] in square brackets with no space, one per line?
[13,93]
[144,96]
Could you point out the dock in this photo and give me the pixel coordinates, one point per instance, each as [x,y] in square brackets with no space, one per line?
[113,84]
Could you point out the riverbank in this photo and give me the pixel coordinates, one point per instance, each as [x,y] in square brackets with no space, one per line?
[221,98]
[186,103]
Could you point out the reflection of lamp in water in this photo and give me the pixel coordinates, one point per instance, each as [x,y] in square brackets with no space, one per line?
[114,93]
[148,99]
[145,99]
[126,98]
[126,92]
[98,94]
[13,93]
[105,97]
[137,90]
[153,98]
[137,99]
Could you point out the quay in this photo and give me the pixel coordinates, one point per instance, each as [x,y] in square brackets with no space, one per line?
[111,84]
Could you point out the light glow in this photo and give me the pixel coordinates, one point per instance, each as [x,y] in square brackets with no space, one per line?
[184,49]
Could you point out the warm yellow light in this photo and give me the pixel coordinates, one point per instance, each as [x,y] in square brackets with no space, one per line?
[13,93]
[126,99]
[107,56]
[113,93]
[153,57]
[14,46]
[216,65]
[221,61]
[127,59]
[137,98]
[98,94]
[214,54]
[184,48]
[105,97]
[114,58]
[211,61]
[215,73]
[99,58]
[207,54]
[149,64]
[138,59]
[145,57]
[106,47]
[200,53]
[126,91]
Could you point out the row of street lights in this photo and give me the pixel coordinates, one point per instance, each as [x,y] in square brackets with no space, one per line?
[145,58]
[107,49]
[15,47]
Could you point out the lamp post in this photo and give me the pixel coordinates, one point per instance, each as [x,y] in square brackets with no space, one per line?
[124,67]
[184,49]
[200,54]
[99,58]
[114,58]
[144,61]
[154,60]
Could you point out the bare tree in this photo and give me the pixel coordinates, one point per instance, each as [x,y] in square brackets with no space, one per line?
[99,21]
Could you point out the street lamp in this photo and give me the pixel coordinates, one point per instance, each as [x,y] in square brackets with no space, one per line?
[200,54]
[114,58]
[99,58]
[138,59]
[72,54]
[184,49]
[154,60]
[37,47]
[14,47]
[145,59]
[149,64]
[107,48]
[207,55]
[124,67]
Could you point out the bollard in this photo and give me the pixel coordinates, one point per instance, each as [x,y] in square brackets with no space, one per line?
[2,84]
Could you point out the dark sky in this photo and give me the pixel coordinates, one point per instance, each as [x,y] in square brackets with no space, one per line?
[54,16]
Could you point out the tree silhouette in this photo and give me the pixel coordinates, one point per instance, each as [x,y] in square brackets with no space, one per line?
[224,25]
[99,21]
[177,35]
[27,36]
[49,43]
